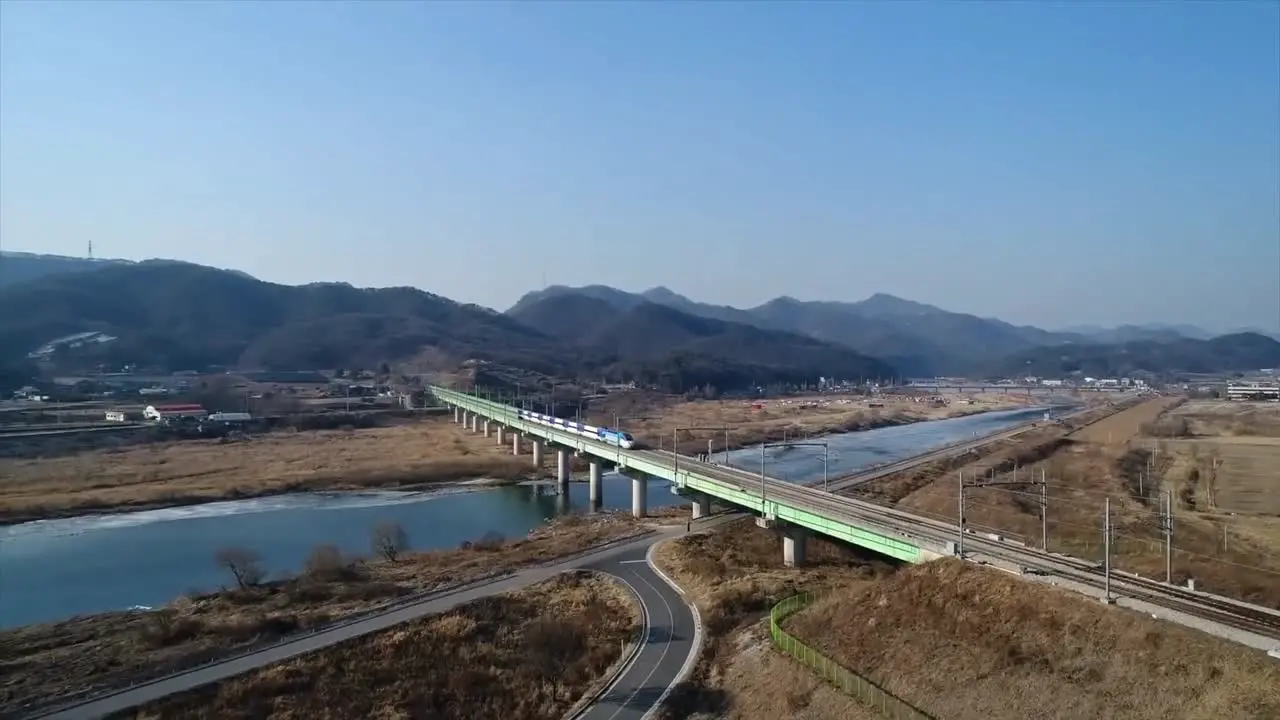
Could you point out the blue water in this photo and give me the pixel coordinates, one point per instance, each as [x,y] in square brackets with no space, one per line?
[53,569]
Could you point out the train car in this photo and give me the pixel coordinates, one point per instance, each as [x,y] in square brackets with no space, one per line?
[608,436]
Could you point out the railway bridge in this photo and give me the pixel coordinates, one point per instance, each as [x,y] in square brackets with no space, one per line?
[795,511]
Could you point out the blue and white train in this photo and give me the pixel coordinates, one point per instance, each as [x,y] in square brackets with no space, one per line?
[607,436]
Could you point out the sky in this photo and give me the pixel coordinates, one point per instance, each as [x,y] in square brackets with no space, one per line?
[1045,163]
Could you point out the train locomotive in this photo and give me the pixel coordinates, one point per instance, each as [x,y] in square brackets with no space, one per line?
[608,436]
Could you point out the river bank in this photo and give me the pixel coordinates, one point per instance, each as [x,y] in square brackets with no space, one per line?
[690,425]
[55,569]
[432,454]
[523,655]
[115,648]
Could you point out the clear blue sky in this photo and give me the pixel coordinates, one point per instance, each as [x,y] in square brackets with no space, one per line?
[1088,162]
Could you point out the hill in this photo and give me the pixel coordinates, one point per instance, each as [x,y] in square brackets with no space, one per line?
[178,315]
[918,339]
[661,345]
[21,267]
[1227,353]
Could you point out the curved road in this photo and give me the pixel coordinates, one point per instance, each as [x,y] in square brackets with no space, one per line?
[671,637]
[671,640]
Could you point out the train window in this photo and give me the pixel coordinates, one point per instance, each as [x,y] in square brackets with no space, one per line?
[627,436]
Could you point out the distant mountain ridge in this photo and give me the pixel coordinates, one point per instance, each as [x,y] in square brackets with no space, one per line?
[917,338]
[21,267]
[1238,352]
[172,315]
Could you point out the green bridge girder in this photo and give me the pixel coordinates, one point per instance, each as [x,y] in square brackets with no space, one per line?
[688,478]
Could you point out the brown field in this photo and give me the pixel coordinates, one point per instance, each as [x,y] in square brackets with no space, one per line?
[1221,418]
[735,575]
[1113,459]
[194,471]
[960,641]
[53,659]
[655,418]
[526,655]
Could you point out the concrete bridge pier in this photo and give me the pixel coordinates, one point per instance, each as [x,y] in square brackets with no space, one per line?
[794,543]
[475,422]
[466,418]
[537,451]
[515,442]
[639,495]
[595,485]
[502,433]
[485,425]
[457,414]
[701,505]
[562,470]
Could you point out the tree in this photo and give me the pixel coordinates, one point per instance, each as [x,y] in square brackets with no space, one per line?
[325,562]
[244,564]
[389,540]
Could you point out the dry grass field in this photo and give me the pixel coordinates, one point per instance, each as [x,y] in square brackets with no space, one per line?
[527,655]
[963,642]
[53,659]
[957,641]
[1114,459]
[193,471]
[735,575]
[655,418]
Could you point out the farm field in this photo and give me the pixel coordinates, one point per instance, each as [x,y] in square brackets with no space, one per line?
[1118,459]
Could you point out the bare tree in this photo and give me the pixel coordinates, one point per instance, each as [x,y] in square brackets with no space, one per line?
[244,564]
[389,540]
[326,562]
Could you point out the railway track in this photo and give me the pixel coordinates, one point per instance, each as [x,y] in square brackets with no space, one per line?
[1224,611]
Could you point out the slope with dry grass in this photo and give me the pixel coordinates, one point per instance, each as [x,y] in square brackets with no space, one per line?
[735,575]
[961,641]
[193,471]
[520,656]
[52,659]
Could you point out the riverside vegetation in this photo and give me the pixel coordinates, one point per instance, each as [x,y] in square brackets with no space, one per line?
[49,660]
[524,655]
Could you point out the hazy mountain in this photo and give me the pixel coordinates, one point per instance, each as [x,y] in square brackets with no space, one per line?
[654,340]
[916,338]
[20,267]
[1226,353]
[174,316]
[178,315]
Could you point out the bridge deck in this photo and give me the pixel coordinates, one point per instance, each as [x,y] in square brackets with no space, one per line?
[841,518]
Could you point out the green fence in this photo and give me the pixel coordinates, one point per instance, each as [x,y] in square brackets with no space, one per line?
[847,680]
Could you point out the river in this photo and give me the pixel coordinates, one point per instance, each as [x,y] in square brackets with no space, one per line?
[54,569]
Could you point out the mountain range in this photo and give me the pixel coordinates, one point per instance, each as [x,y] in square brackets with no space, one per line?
[178,315]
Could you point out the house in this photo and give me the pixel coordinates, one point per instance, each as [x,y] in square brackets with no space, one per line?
[173,413]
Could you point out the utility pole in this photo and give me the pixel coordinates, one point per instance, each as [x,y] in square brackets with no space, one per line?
[1167,526]
[1044,512]
[762,481]
[1106,549]
[961,526]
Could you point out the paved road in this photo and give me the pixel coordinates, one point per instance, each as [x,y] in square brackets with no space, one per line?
[669,638]
[670,635]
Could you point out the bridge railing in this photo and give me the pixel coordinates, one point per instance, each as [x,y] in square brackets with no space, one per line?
[846,680]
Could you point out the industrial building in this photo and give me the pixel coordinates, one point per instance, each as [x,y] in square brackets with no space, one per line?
[1253,391]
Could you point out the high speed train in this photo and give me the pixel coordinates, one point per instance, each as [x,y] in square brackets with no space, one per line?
[608,436]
